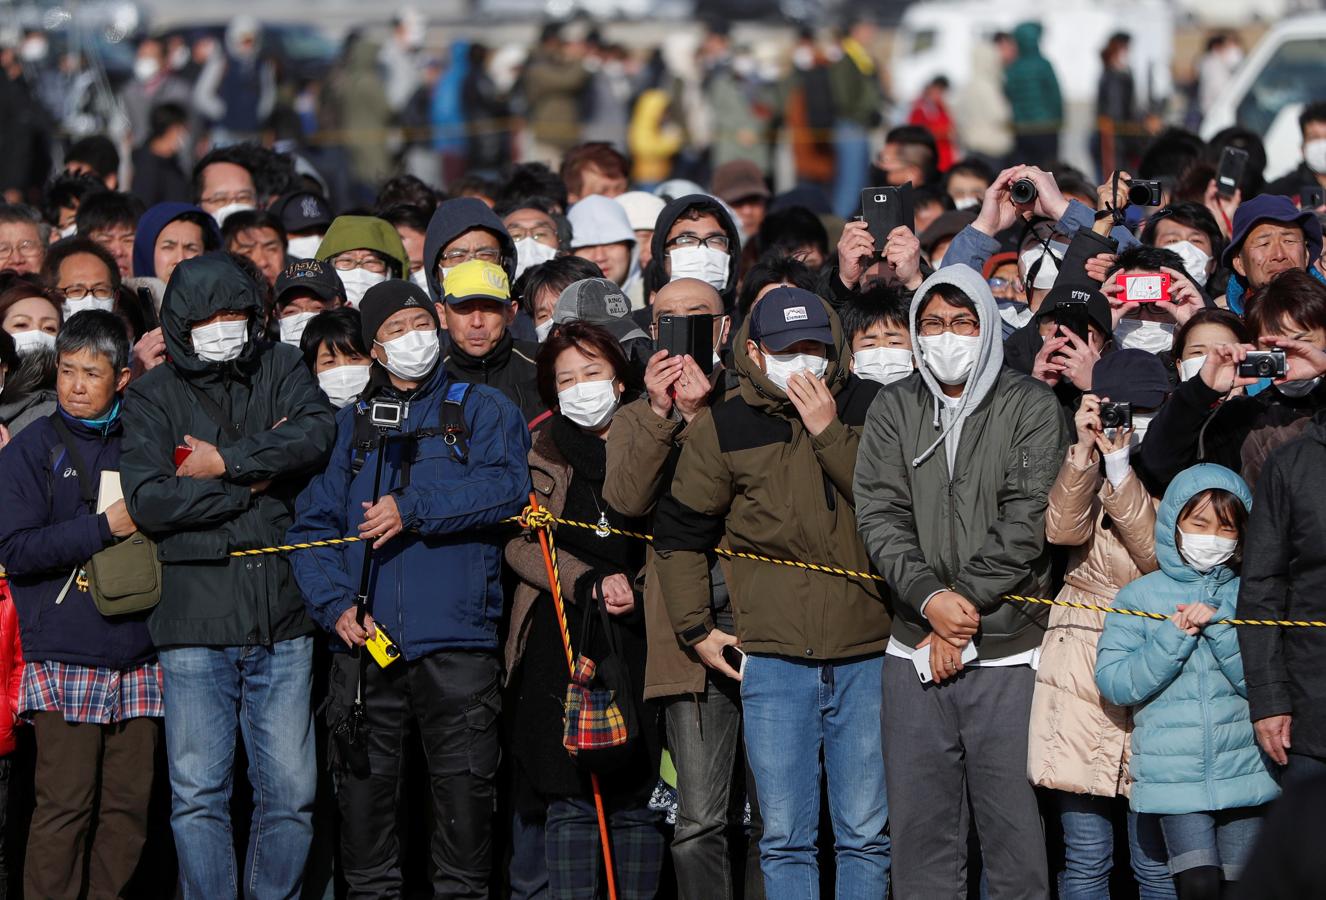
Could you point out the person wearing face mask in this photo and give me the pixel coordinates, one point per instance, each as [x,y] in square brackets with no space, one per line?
[1206,330]
[1312,171]
[875,324]
[219,440]
[1190,230]
[306,218]
[152,85]
[584,378]
[83,274]
[1062,359]
[702,708]
[1078,745]
[437,592]
[477,313]
[365,251]
[598,301]
[304,289]
[30,319]
[334,351]
[540,287]
[1204,776]
[539,232]
[954,527]
[769,471]
[1202,422]
[695,238]
[1152,326]
[602,234]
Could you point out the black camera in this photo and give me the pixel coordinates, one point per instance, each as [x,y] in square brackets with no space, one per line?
[387,415]
[1116,415]
[1263,364]
[1023,191]
[1144,193]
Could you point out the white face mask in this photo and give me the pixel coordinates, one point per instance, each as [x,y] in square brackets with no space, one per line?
[304,247]
[1015,313]
[543,329]
[1298,388]
[1141,422]
[950,357]
[411,356]
[1206,551]
[778,367]
[292,327]
[1153,337]
[229,210]
[420,278]
[1314,154]
[1049,269]
[220,341]
[69,230]
[343,383]
[966,203]
[589,404]
[530,252]
[1195,259]
[357,282]
[74,307]
[883,364]
[30,341]
[708,265]
[1190,367]
[146,68]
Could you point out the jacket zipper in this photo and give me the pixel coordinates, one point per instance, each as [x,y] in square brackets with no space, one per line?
[1206,719]
[952,535]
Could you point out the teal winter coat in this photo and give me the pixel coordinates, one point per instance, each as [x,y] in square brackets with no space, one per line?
[1193,745]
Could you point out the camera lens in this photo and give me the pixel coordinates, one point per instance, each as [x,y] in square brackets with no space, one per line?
[392,651]
[1023,191]
[1139,195]
[1265,366]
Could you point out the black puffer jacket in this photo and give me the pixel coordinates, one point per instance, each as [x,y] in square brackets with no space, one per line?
[1284,577]
[287,429]
[509,367]
[656,276]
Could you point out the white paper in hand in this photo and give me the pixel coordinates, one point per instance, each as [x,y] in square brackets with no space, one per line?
[110,491]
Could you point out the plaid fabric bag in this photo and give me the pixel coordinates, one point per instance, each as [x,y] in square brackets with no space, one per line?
[599,724]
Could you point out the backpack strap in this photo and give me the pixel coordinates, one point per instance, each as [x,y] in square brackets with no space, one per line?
[363,440]
[454,429]
[85,485]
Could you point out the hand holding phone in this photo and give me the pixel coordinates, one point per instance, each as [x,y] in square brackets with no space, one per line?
[735,657]
[884,209]
[1147,288]
[182,452]
[1233,160]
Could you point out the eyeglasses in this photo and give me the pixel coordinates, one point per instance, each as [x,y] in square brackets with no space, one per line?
[22,248]
[541,234]
[688,240]
[456,257]
[82,292]
[999,284]
[370,263]
[220,200]
[962,326]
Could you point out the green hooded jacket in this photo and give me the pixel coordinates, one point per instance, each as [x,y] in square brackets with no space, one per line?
[1031,85]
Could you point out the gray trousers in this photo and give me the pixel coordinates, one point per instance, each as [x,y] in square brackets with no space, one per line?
[945,747]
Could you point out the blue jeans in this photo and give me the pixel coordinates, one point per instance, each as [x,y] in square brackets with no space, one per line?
[794,710]
[1089,850]
[851,148]
[263,692]
[1223,838]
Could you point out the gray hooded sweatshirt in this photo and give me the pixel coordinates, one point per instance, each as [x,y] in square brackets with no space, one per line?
[971,519]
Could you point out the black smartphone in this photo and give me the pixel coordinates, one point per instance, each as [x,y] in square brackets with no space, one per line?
[736,658]
[1232,163]
[688,335]
[1084,245]
[884,209]
[1312,197]
[1071,315]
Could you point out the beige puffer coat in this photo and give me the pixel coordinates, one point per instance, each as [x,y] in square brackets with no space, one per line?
[1078,742]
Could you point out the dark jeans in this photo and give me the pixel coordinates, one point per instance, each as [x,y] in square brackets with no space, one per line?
[94,784]
[704,734]
[6,766]
[575,854]
[452,696]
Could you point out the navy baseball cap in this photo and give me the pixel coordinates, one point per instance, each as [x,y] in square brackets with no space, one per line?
[787,315]
[1269,208]
[302,211]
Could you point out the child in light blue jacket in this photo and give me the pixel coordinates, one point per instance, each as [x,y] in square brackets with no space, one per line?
[1195,758]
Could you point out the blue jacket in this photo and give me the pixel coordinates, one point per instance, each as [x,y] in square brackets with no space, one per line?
[46,530]
[971,248]
[436,586]
[1193,744]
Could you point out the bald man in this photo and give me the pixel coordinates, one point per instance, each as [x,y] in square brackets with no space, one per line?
[705,736]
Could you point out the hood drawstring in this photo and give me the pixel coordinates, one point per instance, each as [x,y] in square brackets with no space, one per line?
[938,421]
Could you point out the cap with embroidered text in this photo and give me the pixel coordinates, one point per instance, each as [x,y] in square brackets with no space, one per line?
[787,315]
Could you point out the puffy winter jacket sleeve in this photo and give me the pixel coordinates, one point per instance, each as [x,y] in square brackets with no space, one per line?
[884,508]
[1224,643]
[1172,440]
[299,443]
[324,573]
[496,485]
[524,553]
[1133,513]
[29,543]
[1070,516]
[1264,592]
[836,450]
[638,447]
[1017,536]
[690,520]
[971,248]
[1137,658]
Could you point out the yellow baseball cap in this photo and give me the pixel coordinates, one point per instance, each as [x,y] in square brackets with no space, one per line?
[476,279]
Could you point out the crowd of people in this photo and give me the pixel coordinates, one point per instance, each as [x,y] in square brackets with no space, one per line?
[891,481]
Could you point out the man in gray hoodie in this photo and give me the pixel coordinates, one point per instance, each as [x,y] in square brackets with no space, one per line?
[952,479]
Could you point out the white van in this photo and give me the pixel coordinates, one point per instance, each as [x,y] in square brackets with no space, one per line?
[1282,74]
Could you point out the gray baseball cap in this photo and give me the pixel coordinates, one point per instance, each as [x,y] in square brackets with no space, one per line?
[598,301]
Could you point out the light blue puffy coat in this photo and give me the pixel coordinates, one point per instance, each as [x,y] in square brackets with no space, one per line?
[1193,745]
